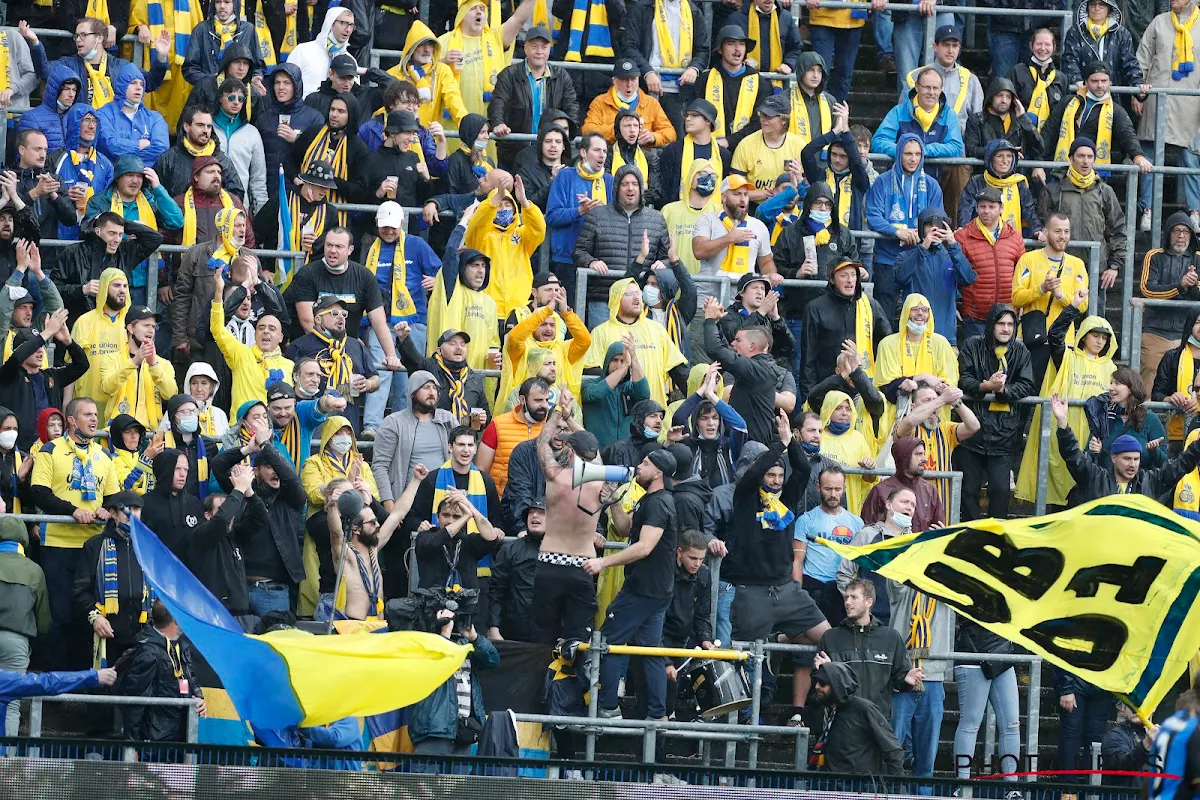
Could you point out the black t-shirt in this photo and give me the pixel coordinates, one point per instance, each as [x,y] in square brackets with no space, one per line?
[654,575]
[356,288]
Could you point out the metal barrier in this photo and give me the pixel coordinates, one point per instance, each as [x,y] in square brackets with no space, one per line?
[1140,304]
[129,749]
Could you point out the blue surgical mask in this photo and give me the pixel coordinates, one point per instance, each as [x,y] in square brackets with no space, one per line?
[1193,341]
[189,424]
[915,329]
[810,448]
[901,520]
[650,296]
[706,185]
[505,216]
[822,217]
[838,428]
[1096,98]
[481,144]
[132,106]
[649,434]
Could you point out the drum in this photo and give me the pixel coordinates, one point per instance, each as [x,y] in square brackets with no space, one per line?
[718,687]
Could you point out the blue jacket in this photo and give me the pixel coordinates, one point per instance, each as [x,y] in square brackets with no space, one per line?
[15,685]
[302,117]
[311,417]
[936,273]
[119,133]
[562,212]
[342,734]
[436,717]
[101,168]
[153,77]
[942,140]
[46,117]
[896,199]
[419,261]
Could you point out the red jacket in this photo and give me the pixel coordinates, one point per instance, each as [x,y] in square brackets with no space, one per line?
[994,266]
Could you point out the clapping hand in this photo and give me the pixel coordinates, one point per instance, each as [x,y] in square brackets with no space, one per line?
[713,309]
[644,252]
[1059,408]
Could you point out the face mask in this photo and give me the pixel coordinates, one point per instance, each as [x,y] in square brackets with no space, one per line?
[822,217]
[810,448]
[189,424]
[1096,98]
[706,185]
[8,440]
[901,520]
[649,434]
[62,107]
[131,105]
[339,269]
[481,144]
[303,393]
[627,98]
[650,295]
[91,54]
[838,428]
[123,528]
[915,329]
[1193,341]
[341,444]
[505,217]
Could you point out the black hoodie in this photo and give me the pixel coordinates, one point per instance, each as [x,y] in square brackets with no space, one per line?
[789,250]
[1000,431]
[764,556]
[652,191]
[985,126]
[860,740]
[198,449]
[352,188]
[829,320]
[627,452]
[204,93]
[459,176]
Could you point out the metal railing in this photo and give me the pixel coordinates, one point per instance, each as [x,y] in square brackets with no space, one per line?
[129,749]
[1140,304]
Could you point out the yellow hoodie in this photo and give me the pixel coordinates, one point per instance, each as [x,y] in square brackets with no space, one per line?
[520,348]
[466,310]
[136,389]
[252,370]
[441,99]
[323,466]
[899,358]
[681,217]
[655,350]
[848,449]
[99,335]
[509,248]
[483,59]
[1080,376]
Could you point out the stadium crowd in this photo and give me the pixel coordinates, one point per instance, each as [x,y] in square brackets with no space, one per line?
[233,417]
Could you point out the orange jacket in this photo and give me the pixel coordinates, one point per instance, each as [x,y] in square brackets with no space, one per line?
[511,430]
[602,116]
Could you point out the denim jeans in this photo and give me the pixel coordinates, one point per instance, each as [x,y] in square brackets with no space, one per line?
[392,384]
[633,619]
[974,693]
[796,326]
[908,38]
[1086,724]
[919,714]
[269,597]
[881,21]
[1191,183]
[839,48]
[597,313]
[1006,49]
[723,625]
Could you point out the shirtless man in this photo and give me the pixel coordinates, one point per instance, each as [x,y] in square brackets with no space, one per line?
[564,596]
[361,572]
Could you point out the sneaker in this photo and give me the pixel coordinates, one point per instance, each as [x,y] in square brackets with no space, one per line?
[796,721]
[1195,218]
[610,713]
[621,688]
[666,779]
[887,64]
[572,775]
[367,435]
[1144,225]
[1014,795]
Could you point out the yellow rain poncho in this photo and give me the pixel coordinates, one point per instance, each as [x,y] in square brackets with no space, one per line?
[847,449]
[509,248]
[900,358]
[520,348]
[466,310]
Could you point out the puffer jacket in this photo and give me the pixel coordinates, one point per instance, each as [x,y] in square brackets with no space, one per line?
[994,265]
[1162,271]
[205,50]
[1096,215]
[436,717]
[877,655]
[301,118]
[614,236]
[789,250]
[987,126]
[1115,48]
[47,117]
[24,604]
[977,361]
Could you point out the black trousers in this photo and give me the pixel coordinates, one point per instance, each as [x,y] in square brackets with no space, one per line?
[975,468]
[564,603]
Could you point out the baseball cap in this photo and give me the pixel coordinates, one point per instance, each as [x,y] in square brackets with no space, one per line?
[538,502]
[280,390]
[989,193]
[625,69]
[450,334]
[389,215]
[22,296]
[776,105]
[735,182]
[947,32]
[663,459]
[141,312]
[127,499]
[344,65]
[545,279]
[538,32]
[584,443]
[326,302]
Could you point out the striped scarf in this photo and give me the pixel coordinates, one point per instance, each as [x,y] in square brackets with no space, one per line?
[341,368]
[226,31]
[201,461]
[83,170]
[589,19]
[323,149]
[289,440]
[919,632]
[340,464]
[107,584]
[292,226]
[457,378]
[773,515]
[476,492]
[82,478]
[372,581]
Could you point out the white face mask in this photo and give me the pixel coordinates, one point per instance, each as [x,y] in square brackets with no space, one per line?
[339,269]
[341,443]
[901,520]
[650,295]
[8,440]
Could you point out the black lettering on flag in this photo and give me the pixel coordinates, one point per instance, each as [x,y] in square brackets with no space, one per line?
[1134,582]
[1107,636]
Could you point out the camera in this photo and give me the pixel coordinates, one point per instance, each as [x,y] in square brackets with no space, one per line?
[419,611]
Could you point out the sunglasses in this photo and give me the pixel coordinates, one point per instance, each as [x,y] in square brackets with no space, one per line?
[236,98]
[336,312]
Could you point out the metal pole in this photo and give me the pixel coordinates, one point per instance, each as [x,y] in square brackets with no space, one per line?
[930,29]
[760,660]
[1094,304]
[955,498]
[152,265]
[649,740]
[1160,160]
[1130,239]
[989,737]
[1033,703]
[1135,353]
[1043,461]
[801,755]
[581,278]
[593,692]
[731,745]
[715,573]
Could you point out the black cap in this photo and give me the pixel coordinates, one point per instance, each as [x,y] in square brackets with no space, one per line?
[141,312]
[320,173]
[450,334]
[989,193]
[704,109]
[663,459]
[732,33]
[626,69]
[25,298]
[22,336]
[947,32]
[326,302]
[751,277]
[539,32]
[538,502]
[1095,67]
[584,443]
[280,390]
[545,279]
[776,105]
[401,122]
[343,65]
[128,499]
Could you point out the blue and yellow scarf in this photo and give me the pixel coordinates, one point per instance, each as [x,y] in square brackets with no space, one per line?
[773,514]
[592,16]
[476,494]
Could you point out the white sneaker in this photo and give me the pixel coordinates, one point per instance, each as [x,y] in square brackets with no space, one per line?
[1144,226]
[572,775]
[667,779]
[610,713]
[1195,218]
[621,688]
[796,721]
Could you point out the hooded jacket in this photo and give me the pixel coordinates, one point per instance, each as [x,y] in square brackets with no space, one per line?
[301,118]
[47,117]
[74,65]
[653,194]
[1000,431]
[204,93]
[627,452]
[714,458]
[86,261]
[98,333]
[1114,47]
[986,126]
[312,58]
[815,160]
[17,386]
[509,247]
[352,188]
[829,320]
[462,174]
[763,556]
[367,89]
[1095,213]
[120,133]
[1162,272]
[453,305]
[942,140]
[718,517]
[789,253]
[148,670]
[607,411]
[876,654]
[61,162]
[214,422]
[199,448]
[936,273]
[321,467]
[24,605]
[134,470]
[613,235]
[676,290]
[204,47]
[896,199]
[88,591]
[1030,222]
[860,740]
[441,100]
[512,104]
[929,503]
[534,173]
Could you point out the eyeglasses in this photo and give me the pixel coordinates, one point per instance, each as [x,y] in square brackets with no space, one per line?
[79,36]
[341,23]
[336,312]
[236,98]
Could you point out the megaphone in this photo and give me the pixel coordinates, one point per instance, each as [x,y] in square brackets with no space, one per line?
[585,472]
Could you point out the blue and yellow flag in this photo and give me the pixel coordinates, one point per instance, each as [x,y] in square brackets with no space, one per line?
[284,678]
[1106,591]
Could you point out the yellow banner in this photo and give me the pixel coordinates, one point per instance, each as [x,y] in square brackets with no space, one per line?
[1106,591]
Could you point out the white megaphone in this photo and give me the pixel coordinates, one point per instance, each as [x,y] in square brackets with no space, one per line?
[585,472]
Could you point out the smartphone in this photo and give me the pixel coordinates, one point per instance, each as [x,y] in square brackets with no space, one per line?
[285,119]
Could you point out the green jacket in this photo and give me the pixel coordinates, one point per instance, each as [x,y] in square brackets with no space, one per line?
[24,606]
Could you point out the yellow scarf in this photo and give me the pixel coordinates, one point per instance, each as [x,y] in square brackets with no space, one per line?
[737,256]
[987,234]
[1183,48]
[226,31]
[674,56]
[320,150]
[316,222]
[1185,373]
[1080,181]
[491,45]
[964,83]
[754,56]
[685,165]
[1039,102]
[820,238]
[844,190]
[1187,504]
[916,357]
[290,35]
[189,214]
[926,118]
[6,81]
[402,303]
[598,191]
[90,174]
[98,9]
[1001,351]
[1066,133]
[800,124]
[101,86]
[341,368]
[227,250]
[144,210]
[266,45]
[864,331]
[714,92]
[639,160]
[196,152]
[1010,195]
[773,514]
[1098,29]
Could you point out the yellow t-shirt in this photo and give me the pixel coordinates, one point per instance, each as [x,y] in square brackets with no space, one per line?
[470,80]
[55,468]
[763,164]
[681,221]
